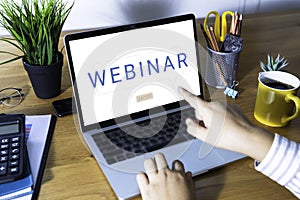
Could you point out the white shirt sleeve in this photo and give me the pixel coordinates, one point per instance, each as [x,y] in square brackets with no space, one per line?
[282,164]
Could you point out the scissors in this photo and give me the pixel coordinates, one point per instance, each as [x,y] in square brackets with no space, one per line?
[220,26]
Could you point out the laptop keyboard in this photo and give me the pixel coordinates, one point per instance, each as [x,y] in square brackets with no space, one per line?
[129,141]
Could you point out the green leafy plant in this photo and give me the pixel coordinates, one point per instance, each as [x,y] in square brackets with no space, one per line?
[274,65]
[35,27]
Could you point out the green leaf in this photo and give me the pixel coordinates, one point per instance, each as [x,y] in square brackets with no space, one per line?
[36,26]
[11,60]
[11,42]
[9,53]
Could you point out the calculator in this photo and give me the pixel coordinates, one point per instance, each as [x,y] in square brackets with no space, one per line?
[14,163]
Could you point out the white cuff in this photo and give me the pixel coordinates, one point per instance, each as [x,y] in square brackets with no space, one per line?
[282,163]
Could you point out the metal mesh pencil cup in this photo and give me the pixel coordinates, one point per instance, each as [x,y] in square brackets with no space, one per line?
[221,68]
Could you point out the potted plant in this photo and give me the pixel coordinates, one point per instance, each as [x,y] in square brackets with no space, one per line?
[35,27]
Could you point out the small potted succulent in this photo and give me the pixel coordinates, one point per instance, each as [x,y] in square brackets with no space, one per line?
[274,65]
[35,27]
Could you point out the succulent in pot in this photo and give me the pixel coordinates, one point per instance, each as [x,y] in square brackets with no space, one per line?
[278,64]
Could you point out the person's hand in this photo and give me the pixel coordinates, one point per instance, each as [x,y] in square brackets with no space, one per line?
[227,127]
[162,183]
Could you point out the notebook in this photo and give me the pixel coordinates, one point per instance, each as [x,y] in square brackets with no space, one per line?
[125,82]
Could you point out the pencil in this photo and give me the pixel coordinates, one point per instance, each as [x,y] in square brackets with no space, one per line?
[206,36]
[232,24]
[213,38]
[221,73]
[236,18]
[218,59]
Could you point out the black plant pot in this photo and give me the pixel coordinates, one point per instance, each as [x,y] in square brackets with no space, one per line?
[45,80]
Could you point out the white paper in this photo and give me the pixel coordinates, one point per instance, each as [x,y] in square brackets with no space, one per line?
[37,140]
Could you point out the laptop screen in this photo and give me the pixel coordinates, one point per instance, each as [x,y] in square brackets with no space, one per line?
[126,70]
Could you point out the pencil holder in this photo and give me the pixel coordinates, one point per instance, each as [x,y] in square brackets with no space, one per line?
[221,68]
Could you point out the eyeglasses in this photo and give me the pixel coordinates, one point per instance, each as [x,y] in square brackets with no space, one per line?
[11,96]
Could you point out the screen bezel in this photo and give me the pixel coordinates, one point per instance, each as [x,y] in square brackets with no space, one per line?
[87,34]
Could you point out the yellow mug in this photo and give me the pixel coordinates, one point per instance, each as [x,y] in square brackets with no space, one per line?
[276,101]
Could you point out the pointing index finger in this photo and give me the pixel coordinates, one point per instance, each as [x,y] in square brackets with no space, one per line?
[193,100]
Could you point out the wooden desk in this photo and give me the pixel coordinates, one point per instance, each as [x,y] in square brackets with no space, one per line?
[71,173]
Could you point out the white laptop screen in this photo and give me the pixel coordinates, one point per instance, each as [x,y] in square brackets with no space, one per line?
[134,68]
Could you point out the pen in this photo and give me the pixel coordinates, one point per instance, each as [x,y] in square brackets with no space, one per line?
[239,28]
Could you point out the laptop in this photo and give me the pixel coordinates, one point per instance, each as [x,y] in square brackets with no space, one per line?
[125,82]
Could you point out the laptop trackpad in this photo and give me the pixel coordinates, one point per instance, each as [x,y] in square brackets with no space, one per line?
[205,150]
[197,157]
[201,157]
